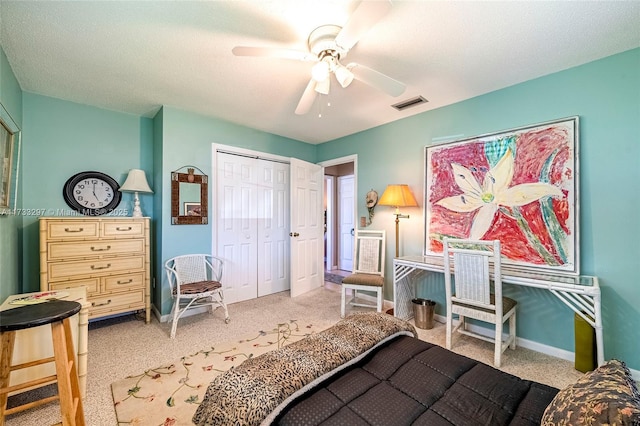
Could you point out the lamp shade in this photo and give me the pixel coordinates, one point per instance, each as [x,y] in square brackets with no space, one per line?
[136,182]
[320,71]
[343,75]
[398,196]
[323,86]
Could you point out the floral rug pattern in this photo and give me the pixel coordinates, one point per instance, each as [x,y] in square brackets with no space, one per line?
[168,395]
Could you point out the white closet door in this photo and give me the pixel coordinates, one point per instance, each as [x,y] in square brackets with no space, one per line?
[307,227]
[273,227]
[237,225]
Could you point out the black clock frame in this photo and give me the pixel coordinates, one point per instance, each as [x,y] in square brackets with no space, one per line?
[67,193]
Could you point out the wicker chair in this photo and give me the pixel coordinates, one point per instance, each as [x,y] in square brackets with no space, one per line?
[368,271]
[195,281]
[469,295]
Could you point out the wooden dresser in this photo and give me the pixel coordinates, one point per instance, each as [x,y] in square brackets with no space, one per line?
[107,255]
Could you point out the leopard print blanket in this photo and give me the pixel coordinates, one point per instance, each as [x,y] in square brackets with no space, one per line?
[254,391]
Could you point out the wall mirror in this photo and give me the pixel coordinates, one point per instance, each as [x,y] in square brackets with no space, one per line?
[189,198]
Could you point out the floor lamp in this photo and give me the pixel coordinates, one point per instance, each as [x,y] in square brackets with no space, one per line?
[398,196]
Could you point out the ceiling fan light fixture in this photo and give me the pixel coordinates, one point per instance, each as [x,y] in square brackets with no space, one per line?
[323,86]
[343,75]
[320,71]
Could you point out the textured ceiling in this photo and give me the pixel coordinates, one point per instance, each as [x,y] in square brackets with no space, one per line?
[135,56]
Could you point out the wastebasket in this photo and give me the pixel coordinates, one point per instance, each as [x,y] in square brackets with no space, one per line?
[585,344]
[423,313]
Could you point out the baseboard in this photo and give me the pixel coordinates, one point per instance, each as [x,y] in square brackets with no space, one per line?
[535,346]
[527,344]
[157,314]
[191,311]
[386,304]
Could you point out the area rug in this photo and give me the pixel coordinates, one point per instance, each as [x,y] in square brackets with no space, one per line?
[169,394]
[333,278]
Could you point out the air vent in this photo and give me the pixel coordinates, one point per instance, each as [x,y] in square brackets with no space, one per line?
[410,103]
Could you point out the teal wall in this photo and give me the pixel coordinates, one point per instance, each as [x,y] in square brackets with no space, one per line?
[187,139]
[62,138]
[10,237]
[605,94]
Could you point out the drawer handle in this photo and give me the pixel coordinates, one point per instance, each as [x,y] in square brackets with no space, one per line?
[73,230]
[125,282]
[94,267]
[128,228]
[100,249]
[94,304]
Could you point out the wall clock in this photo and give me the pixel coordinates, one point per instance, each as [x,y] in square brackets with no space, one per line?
[91,193]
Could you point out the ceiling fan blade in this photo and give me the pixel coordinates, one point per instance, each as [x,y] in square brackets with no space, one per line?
[376,79]
[306,101]
[273,52]
[363,18]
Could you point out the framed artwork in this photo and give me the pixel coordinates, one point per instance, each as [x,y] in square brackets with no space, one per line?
[9,158]
[192,209]
[519,186]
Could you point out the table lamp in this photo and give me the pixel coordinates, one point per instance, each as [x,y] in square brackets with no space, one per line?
[136,182]
[398,195]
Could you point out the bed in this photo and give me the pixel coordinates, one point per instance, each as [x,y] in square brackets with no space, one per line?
[370,369]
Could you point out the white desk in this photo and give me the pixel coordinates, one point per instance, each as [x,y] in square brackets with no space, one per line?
[581,293]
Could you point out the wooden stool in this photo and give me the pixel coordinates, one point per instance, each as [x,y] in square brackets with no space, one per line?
[56,313]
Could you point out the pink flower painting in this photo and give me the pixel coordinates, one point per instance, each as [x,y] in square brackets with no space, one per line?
[518,186]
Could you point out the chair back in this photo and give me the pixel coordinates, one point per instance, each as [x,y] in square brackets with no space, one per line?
[469,262]
[369,252]
[191,268]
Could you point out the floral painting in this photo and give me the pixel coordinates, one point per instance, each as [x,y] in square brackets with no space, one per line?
[517,186]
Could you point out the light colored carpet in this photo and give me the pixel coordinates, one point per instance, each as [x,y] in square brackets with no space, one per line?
[171,393]
[125,346]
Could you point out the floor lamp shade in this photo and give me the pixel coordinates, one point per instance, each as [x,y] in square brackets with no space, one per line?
[398,195]
[136,182]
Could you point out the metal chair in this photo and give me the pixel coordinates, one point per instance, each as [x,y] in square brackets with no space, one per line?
[368,270]
[195,281]
[469,293]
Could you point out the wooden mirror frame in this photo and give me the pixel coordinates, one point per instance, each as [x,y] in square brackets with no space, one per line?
[202,180]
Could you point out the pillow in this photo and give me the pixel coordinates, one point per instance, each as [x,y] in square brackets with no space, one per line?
[607,395]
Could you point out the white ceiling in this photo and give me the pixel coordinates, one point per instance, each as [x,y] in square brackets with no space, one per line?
[135,56]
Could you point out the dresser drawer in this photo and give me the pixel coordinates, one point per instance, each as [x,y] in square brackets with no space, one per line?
[94,267]
[124,282]
[123,228]
[72,229]
[92,285]
[116,302]
[65,250]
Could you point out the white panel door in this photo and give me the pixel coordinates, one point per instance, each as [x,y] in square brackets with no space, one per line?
[307,227]
[273,227]
[329,234]
[237,226]
[346,225]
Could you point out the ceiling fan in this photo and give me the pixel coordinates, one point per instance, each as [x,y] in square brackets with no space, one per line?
[328,44]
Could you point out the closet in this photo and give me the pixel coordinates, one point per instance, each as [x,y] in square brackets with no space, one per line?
[251,230]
